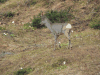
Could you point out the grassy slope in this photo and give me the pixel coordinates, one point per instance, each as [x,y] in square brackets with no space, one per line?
[35,48]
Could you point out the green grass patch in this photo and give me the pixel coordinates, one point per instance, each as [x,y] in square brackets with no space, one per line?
[28,26]
[61,67]
[12,35]
[24,71]
[1,28]
[63,44]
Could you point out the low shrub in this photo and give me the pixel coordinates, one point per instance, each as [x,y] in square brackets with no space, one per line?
[36,21]
[2,1]
[53,16]
[60,17]
[95,23]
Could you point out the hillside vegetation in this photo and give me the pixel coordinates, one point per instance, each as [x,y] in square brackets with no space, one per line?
[26,47]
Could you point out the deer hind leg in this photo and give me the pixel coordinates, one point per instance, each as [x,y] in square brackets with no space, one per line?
[69,41]
[56,36]
[67,34]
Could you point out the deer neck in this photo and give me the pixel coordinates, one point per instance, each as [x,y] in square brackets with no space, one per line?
[48,24]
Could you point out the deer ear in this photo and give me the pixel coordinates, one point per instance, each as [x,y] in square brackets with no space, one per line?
[41,13]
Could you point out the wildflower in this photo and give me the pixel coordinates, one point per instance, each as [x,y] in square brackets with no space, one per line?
[4,33]
[59,42]
[13,22]
[64,62]
[21,68]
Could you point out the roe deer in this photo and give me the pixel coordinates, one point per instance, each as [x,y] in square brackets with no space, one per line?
[57,29]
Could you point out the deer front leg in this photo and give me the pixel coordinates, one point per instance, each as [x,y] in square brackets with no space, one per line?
[69,44]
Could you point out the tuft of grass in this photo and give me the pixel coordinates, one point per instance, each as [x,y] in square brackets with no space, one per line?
[9,14]
[48,3]
[12,35]
[1,28]
[24,71]
[33,2]
[59,63]
[63,44]
[27,26]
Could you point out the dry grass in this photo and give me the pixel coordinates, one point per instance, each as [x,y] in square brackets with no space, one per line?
[83,57]
[34,48]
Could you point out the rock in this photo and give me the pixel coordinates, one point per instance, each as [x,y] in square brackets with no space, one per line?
[0,23]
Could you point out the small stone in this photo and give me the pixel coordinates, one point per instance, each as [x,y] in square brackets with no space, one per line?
[0,23]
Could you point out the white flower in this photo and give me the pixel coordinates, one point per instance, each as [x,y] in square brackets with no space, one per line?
[4,33]
[72,31]
[64,62]
[29,26]
[21,68]
[13,22]
[79,46]
[59,42]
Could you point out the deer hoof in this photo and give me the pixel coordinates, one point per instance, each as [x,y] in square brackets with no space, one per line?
[59,46]
[71,48]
